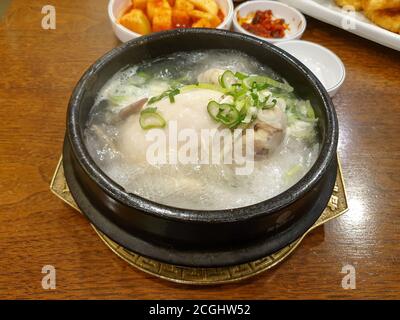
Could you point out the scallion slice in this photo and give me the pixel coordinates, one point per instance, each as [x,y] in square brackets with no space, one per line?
[213,109]
[227,79]
[305,111]
[171,93]
[262,81]
[150,119]
[241,75]
[224,113]
[208,86]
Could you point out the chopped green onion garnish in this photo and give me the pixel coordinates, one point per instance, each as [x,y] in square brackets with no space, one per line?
[213,109]
[118,99]
[150,118]
[209,86]
[225,113]
[139,78]
[270,105]
[293,170]
[171,93]
[263,80]
[241,75]
[304,111]
[227,80]
[171,98]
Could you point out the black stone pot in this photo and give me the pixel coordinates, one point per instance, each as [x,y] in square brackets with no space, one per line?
[192,237]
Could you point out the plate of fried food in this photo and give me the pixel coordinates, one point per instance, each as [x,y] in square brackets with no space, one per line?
[134,18]
[376,20]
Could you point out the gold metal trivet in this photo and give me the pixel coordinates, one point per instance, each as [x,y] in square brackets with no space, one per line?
[207,276]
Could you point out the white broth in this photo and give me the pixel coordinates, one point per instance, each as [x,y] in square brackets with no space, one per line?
[214,90]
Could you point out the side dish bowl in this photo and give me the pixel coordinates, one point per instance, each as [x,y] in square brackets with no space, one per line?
[325,64]
[117,7]
[198,237]
[293,18]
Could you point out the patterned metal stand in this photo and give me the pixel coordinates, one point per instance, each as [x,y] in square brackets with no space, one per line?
[207,276]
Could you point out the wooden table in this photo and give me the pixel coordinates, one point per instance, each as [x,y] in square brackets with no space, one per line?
[38,70]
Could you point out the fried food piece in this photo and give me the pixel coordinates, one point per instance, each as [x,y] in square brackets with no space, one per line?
[387,18]
[136,21]
[357,4]
[370,5]
[384,13]
[209,6]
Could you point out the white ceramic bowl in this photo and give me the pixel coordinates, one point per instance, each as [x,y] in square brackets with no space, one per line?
[293,17]
[326,65]
[117,7]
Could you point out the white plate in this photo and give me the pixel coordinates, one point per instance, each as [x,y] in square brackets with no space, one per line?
[327,11]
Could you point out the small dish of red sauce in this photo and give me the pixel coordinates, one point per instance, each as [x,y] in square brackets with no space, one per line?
[271,21]
[264,24]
